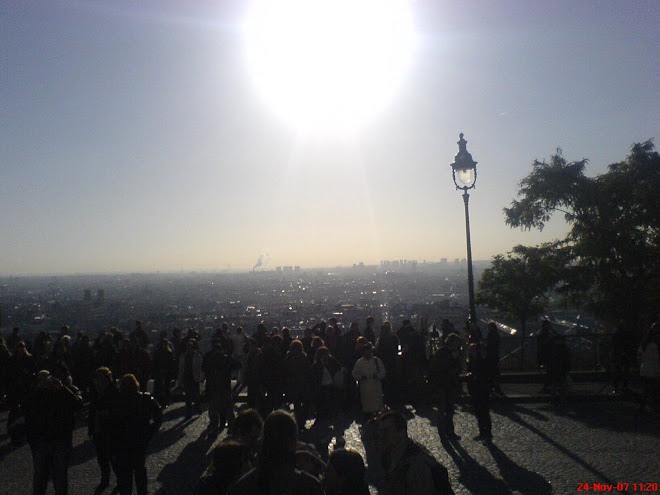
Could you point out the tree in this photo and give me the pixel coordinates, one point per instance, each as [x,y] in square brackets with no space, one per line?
[519,282]
[614,240]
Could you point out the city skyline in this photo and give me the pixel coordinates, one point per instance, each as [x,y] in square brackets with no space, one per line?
[134,138]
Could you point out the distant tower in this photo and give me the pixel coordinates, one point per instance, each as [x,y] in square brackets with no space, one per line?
[100,296]
[88,295]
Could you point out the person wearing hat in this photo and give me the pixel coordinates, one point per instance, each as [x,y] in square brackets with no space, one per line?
[369,371]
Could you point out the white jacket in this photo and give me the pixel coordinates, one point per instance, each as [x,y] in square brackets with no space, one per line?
[196,367]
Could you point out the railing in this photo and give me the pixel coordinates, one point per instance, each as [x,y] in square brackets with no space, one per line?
[588,352]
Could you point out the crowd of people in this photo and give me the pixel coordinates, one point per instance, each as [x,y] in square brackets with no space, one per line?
[327,375]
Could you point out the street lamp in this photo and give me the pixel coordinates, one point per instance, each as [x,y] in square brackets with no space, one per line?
[464,173]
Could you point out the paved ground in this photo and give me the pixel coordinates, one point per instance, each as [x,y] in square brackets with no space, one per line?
[538,449]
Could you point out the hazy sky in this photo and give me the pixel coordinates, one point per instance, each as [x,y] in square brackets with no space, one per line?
[132,136]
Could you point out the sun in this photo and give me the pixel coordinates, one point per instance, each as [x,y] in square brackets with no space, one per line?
[328,65]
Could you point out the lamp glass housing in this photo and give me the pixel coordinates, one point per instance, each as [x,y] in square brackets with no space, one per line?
[466,176]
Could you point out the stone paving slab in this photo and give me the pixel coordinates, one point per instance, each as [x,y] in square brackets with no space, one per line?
[538,449]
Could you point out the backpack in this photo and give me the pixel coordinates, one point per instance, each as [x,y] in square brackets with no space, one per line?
[439,473]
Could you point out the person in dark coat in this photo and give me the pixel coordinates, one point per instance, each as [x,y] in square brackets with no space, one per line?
[298,373]
[20,369]
[387,349]
[134,420]
[370,330]
[493,356]
[106,353]
[444,375]
[103,396]
[83,363]
[273,378]
[544,351]
[348,357]
[254,370]
[324,388]
[164,369]
[4,365]
[478,386]
[139,336]
[190,377]
[49,414]
[217,367]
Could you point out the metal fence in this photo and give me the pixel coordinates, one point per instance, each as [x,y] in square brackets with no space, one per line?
[588,352]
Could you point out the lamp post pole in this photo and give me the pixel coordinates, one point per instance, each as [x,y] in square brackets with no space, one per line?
[473,311]
[464,173]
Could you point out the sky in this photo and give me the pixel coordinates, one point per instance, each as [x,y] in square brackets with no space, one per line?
[134,136]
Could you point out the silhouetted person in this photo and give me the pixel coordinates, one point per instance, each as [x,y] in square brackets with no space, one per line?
[273,377]
[324,370]
[164,369]
[49,414]
[623,357]
[478,386]
[20,368]
[135,419]
[103,397]
[345,473]
[370,330]
[229,461]
[217,367]
[83,362]
[106,353]
[139,336]
[493,355]
[254,371]
[387,349]
[14,339]
[410,468]
[4,365]
[649,367]
[447,328]
[190,377]
[544,351]
[559,366]
[276,472]
[248,428]
[444,375]
[298,375]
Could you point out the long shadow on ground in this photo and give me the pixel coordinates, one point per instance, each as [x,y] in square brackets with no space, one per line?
[515,417]
[519,479]
[472,475]
[181,476]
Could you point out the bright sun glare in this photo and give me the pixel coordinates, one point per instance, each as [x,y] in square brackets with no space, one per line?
[328,65]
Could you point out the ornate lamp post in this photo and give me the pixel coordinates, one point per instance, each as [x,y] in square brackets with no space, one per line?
[464,173]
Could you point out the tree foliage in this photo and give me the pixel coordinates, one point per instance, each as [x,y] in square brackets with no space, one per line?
[518,283]
[614,240]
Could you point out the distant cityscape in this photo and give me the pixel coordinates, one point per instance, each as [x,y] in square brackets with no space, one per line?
[424,292]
